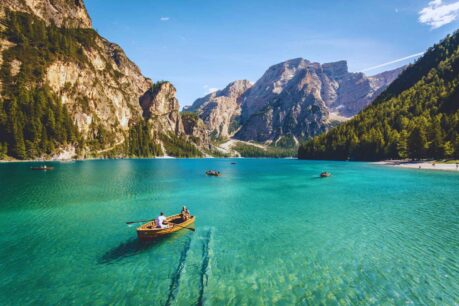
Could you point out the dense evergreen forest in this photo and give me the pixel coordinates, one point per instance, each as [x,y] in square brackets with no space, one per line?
[271,151]
[33,121]
[416,117]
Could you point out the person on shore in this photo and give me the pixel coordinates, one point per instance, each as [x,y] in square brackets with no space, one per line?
[161,221]
[185,213]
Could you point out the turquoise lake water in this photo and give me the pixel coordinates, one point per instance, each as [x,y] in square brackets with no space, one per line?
[267,232]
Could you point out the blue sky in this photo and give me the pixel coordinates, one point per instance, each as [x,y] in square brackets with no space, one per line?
[200,45]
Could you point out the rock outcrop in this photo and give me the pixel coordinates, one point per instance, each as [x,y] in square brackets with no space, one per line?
[161,107]
[196,130]
[103,92]
[295,99]
[63,13]
[220,110]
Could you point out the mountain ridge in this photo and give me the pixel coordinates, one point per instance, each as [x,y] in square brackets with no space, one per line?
[296,99]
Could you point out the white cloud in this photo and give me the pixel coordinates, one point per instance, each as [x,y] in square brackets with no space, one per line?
[394,61]
[436,14]
[208,89]
[164,18]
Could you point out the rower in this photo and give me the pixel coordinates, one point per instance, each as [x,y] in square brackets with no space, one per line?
[185,214]
[160,220]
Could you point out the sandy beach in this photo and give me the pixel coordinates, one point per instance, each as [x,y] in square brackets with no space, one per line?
[422,165]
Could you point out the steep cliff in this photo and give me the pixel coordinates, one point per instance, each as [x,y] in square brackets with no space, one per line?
[65,88]
[161,107]
[220,110]
[196,129]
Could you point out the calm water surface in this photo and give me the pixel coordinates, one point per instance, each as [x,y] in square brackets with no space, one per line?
[267,232]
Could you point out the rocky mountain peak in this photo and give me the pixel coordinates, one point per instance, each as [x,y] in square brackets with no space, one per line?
[295,99]
[234,89]
[335,70]
[63,13]
[220,110]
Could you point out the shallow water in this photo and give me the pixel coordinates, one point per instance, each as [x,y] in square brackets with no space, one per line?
[267,231]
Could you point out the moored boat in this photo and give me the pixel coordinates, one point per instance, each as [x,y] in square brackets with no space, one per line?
[42,168]
[149,230]
[213,173]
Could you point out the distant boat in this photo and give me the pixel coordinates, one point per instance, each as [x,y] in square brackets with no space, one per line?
[149,230]
[42,168]
[325,174]
[213,173]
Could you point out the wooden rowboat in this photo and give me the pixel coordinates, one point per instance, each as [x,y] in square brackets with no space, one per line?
[213,173]
[42,168]
[149,230]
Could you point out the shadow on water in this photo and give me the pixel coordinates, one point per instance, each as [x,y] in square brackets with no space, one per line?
[134,246]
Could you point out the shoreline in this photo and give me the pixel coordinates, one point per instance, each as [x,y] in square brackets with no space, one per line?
[77,159]
[419,165]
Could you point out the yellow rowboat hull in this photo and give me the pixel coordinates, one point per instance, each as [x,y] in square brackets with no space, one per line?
[149,230]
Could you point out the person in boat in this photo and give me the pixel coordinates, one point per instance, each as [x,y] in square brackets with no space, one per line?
[161,221]
[185,213]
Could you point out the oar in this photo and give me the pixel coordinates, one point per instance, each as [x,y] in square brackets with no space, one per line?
[189,228]
[132,222]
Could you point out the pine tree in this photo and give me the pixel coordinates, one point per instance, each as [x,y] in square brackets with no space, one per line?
[456,147]
[448,149]
[18,148]
[437,144]
[417,143]
[402,145]
[3,150]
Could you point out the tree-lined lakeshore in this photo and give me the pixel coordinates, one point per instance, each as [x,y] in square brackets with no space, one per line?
[417,117]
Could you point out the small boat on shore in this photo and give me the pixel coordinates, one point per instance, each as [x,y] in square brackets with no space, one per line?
[42,168]
[213,173]
[149,230]
[325,174]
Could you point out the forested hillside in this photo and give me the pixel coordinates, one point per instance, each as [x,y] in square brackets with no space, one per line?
[32,118]
[67,91]
[416,117]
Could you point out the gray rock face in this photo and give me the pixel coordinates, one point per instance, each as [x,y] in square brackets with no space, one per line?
[296,99]
[220,110]
[196,130]
[68,13]
[161,108]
